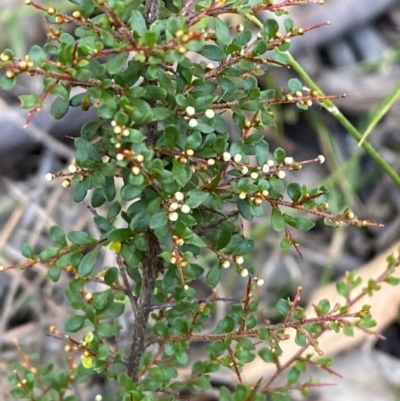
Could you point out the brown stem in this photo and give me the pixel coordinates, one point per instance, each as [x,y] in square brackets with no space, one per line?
[151,266]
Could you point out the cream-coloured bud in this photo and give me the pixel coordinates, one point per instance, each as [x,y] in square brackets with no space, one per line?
[193,123]
[242,195]
[210,66]
[265,168]
[244,169]
[265,193]
[120,157]
[254,175]
[66,183]
[260,282]
[173,216]
[281,174]
[49,177]
[271,163]
[88,296]
[298,93]
[190,111]
[140,158]
[172,260]
[179,196]
[173,206]
[117,129]
[226,156]
[239,260]
[288,161]
[72,168]
[258,201]
[98,397]
[211,162]
[237,158]
[185,209]
[77,14]
[244,273]
[225,264]
[135,170]
[126,132]
[186,287]
[210,113]
[321,159]
[190,152]
[113,123]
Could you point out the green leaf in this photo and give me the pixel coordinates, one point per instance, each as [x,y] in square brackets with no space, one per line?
[213,52]
[117,63]
[36,54]
[300,339]
[107,330]
[159,220]
[294,191]
[342,288]
[294,85]
[261,150]
[221,236]
[271,27]
[277,221]
[58,236]
[282,307]
[120,234]
[137,22]
[214,275]
[80,238]
[222,32]
[74,323]
[28,101]
[86,265]
[279,155]
[324,306]
[266,355]
[59,108]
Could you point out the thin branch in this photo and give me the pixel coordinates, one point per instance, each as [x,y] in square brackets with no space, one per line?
[128,290]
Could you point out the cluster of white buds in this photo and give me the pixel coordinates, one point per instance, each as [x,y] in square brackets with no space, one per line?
[178,204]
[120,129]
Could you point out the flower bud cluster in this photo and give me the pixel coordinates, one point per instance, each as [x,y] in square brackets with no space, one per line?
[189,115]
[177,203]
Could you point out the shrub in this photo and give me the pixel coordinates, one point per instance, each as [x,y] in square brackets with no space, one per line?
[168,183]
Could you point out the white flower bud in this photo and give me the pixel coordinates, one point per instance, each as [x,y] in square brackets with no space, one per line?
[190,152]
[120,157]
[281,174]
[245,169]
[237,158]
[173,216]
[288,161]
[193,123]
[254,175]
[226,264]
[72,168]
[140,158]
[66,183]
[179,196]
[265,193]
[244,273]
[173,206]
[210,113]
[239,260]
[242,195]
[260,282]
[190,111]
[265,168]
[185,209]
[49,177]
[321,159]
[271,163]
[210,162]
[226,156]
[135,170]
